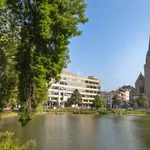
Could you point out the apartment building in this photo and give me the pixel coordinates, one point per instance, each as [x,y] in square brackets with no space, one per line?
[60,91]
[108,95]
[124,94]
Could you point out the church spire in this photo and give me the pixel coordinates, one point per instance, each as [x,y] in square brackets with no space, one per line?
[148,52]
[149,44]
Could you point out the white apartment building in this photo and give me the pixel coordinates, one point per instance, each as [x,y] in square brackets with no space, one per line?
[124,94]
[108,95]
[60,91]
[127,95]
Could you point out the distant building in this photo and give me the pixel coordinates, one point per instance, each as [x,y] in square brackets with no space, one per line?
[142,84]
[127,95]
[60,91]
[124,94]
[147,73]
[132,93]
[108,95]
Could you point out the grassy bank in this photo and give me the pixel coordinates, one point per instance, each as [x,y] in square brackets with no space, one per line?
[85,111]
[101,111]
[8,114]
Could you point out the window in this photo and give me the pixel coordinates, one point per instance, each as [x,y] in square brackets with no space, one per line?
[141,90]
[66,83]
[85,100]
[54,98]
[61,82]
[55,93]
[55,87]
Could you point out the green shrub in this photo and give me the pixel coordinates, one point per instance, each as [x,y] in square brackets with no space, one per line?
[7,142]
[39,108]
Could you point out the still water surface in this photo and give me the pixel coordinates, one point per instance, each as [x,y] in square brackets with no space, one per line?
[83,132]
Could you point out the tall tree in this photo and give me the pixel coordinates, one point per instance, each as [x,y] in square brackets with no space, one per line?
[8,45]
[69,102]
[117,100]
[46,27]
[97,103]
[76,98]
[142,101]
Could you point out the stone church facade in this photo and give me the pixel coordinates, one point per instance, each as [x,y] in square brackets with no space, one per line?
[142,84]
[147,74]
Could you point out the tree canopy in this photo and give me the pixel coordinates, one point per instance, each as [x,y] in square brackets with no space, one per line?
[8,50]
[142,101]
[116,100]
[97,103]
[40,34]
[76,98]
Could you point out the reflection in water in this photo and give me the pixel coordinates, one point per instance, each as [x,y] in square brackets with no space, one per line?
[83,132]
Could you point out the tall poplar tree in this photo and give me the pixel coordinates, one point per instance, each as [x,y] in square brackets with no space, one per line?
[46,26]
[8,50]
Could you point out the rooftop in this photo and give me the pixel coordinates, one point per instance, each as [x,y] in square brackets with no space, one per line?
[76,76]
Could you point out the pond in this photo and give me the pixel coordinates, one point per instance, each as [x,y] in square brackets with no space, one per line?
[83,132]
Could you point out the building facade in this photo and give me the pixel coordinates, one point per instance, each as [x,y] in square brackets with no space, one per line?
[142,84]
[132,93]
[108,95]
[123,93]
[147,73]
[60,91]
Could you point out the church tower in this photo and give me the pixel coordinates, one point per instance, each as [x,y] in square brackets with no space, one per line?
[147,73]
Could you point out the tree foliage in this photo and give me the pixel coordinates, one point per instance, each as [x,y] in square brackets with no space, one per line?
[97,103]
[2,4]
[8,45]
[126,104]
[104,103]
[7,142]
[116,100]
[76,98]
[69,102]
[45,28]
[142,101]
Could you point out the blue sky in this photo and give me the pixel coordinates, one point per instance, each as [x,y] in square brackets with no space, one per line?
[114,42]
